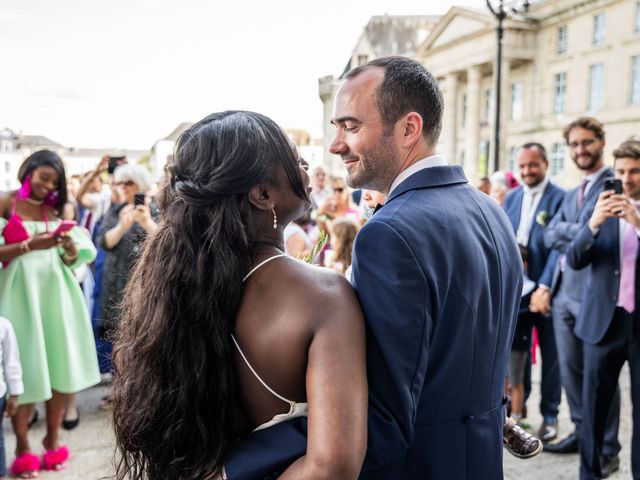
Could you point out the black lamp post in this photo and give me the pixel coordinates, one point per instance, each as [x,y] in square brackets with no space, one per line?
[501,13]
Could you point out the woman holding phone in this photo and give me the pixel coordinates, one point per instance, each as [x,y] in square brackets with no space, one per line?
[124,230]
[43,301]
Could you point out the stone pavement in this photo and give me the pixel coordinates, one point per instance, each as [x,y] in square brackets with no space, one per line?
[92,444]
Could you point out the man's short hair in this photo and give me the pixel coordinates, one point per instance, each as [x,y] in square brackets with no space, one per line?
[588,123]
[407,87]
[537,146]
[628,149]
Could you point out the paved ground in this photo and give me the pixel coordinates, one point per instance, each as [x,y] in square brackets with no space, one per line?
[92,449]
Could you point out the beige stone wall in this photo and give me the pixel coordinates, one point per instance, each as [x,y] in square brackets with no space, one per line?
[530,58]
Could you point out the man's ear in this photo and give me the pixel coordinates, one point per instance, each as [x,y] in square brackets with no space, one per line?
[412,126]
[260,197]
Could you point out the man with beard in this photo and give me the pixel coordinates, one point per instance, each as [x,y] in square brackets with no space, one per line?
[586,139]
[530,207]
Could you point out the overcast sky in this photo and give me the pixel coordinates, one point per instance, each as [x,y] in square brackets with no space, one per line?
[124,73]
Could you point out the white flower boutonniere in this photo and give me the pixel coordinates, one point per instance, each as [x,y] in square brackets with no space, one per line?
[542,218]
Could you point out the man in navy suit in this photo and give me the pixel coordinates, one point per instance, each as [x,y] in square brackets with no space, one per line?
[609,322]
[439,276]
[530,207]
[585,138]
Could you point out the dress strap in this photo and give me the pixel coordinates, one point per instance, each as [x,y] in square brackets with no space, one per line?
[291,403]
[261,264]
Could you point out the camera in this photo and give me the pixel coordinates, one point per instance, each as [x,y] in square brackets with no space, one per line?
[115,162]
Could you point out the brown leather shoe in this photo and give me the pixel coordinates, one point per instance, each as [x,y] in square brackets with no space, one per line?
[518,441]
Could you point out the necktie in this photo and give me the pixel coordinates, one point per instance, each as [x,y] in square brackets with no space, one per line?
[583,187]
[627,293]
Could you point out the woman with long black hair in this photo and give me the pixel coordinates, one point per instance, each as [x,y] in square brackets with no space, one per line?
[43,301]
[221,332]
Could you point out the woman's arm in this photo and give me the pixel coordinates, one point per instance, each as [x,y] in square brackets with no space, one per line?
[336,391]
[114,233]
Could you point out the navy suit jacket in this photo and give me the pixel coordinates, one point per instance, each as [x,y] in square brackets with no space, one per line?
[599,299]
[563,228]
[438,274]
[542,260]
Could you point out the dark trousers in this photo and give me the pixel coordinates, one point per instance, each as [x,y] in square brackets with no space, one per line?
[3,460]
[570,356]
[602,365]
[551,389]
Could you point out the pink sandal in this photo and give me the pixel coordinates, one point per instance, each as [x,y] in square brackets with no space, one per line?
[54,459]
[26,463]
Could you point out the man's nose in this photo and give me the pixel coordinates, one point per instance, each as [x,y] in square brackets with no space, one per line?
[337,147]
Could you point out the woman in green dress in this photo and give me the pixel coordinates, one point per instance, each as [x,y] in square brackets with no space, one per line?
[42,299]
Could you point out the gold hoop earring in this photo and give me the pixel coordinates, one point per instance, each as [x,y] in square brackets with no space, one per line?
[275,219]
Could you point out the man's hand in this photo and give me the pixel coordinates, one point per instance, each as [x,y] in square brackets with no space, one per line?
[540,301]
[12,406]
[624,208]
[603,209]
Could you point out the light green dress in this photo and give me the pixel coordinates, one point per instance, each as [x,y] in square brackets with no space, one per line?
[43,301]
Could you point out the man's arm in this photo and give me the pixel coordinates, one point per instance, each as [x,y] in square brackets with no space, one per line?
[395,297]
[561,230]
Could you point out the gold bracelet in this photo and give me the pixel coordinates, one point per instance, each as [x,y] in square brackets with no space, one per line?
[24,246]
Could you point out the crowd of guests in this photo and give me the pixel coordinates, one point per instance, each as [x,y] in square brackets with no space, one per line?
[67,247]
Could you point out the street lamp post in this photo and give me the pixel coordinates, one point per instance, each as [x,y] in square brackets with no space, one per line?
[501,14]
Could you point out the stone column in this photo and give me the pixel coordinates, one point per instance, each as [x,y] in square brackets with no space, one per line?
[472,129]
[449,127]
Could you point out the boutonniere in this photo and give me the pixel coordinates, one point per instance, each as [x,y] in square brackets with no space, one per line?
[542,218]
[314,253]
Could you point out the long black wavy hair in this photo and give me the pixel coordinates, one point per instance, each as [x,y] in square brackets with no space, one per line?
[175,389]
[47,158]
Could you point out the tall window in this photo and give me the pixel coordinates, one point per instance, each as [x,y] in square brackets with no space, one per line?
[637,26]
[7,166]
[462,158]
[516,101]
[596,87]
[557,159]
[598,29]
[634,93]
[561,43]
[511,159]
[559,92]
[463,116]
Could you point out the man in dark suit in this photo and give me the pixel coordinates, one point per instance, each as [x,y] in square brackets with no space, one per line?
[530,207]
[609,322]
[585,138]
[439,276]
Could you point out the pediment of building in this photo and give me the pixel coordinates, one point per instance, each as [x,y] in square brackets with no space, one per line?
[459,23]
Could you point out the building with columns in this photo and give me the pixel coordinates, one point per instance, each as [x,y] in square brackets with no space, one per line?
[566,59]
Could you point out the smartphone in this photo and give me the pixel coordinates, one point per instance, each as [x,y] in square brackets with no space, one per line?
[139,199]
[114,162]
[614,184]
[65,226]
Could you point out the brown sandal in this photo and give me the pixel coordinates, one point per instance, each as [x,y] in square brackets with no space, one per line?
[518,441]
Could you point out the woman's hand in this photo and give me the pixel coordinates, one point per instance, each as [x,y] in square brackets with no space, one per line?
[126,218]
[70,254]
[44,241]
[142,216]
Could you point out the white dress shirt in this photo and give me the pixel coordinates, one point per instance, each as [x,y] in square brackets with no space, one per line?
[432,161]
[592,178]
[10,368]
[530,200]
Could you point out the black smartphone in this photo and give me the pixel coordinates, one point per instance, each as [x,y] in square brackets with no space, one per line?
[114,162]
[614,184]
[139,199]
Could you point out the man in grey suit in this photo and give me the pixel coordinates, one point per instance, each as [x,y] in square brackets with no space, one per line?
[586,139]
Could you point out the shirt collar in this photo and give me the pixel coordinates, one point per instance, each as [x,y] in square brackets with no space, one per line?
[594,176]
[432,161]
[538,188]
